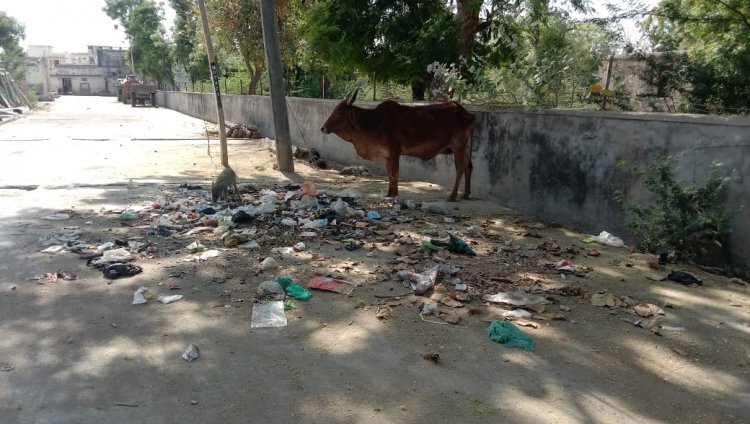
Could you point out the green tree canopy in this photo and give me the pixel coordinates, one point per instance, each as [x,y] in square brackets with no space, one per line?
[12,56]
[189,50]
[386,39]
[716,36]
[142,21]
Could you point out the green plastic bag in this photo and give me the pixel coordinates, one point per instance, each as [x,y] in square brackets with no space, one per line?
[284,281]
[425,246]
[298,292]
[508,334]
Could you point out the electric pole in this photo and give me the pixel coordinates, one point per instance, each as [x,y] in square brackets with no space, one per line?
[276,82]
[215,80]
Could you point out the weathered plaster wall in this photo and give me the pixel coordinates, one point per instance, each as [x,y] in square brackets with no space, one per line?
[559,165]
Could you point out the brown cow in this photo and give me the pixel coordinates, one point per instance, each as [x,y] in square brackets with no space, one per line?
[390,130]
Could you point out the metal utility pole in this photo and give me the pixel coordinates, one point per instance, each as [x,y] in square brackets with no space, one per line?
[215,80]
[276,80]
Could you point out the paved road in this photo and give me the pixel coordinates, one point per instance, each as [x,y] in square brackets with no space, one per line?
[94,140]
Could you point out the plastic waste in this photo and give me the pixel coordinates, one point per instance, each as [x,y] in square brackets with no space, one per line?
[128,215]
[169,299]
[191,353]
[195,246]
[56,217]
[54,249]
[116,255]
[521,299]
[420,283]
[609,240]
[298,292]
[435,207]
[331,284]
[138,297]
[251,245]
[684,278]
[268,315]
[119,270]
[284,281]
[509,335]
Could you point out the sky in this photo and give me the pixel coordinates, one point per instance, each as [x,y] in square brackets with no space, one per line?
[71,25]
[68,25]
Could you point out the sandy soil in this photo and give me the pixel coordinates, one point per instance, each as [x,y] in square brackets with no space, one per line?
[78,351]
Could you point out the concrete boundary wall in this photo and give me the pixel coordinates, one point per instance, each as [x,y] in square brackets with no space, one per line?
[560,165]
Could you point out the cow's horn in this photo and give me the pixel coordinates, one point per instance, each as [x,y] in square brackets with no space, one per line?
[353,97]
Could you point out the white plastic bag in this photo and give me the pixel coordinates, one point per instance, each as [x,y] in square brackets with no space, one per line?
[609,240]
[268,315]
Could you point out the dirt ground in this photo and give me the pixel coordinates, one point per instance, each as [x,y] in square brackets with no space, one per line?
[79,352]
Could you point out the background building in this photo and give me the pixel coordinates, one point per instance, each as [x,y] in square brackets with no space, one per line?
[94,72]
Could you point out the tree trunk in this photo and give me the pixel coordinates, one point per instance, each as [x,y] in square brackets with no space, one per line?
[417,90]
[254,79]
[467,19]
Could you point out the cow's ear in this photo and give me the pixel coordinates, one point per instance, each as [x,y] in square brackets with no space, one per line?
[350,99]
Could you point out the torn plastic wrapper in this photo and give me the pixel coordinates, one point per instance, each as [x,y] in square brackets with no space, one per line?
[331,284]
[420,283]
[520,299]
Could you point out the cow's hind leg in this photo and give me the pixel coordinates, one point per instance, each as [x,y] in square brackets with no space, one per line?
[467,179]
[458,159]
[391,166]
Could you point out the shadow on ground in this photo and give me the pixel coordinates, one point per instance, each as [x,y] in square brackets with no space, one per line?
[81,352]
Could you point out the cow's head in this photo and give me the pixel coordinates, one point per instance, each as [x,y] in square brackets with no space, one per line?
[339,116]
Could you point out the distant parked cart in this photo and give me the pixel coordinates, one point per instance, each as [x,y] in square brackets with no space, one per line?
[142,93]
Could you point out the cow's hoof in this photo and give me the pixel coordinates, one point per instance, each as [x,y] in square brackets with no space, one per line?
[451,198]
[466,197]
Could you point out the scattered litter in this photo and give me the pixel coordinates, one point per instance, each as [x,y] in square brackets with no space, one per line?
[268,314]
[119,270]
[647,309]
[420,283]
[430,309]
[431,356]
[506,333]
[455,245]
[138,297]
[672,328]
[251,245]
[56,217]
[609,240]
[195,246]
[435,207]
[383,312]
[191,353]
[203,256]
[7,368]
[52,277]
[684,278]
[519,298]
[298,292]
[169,299]
[115,255]
[332,284]
[67,234]
[564,266]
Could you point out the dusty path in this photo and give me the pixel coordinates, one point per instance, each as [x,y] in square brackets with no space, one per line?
[78,351]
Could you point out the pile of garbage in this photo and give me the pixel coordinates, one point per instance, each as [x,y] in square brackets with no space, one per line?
[441,282]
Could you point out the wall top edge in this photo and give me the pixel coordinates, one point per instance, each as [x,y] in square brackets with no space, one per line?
[628,116]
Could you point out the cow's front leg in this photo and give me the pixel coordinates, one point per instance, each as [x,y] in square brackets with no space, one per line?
[391,166]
